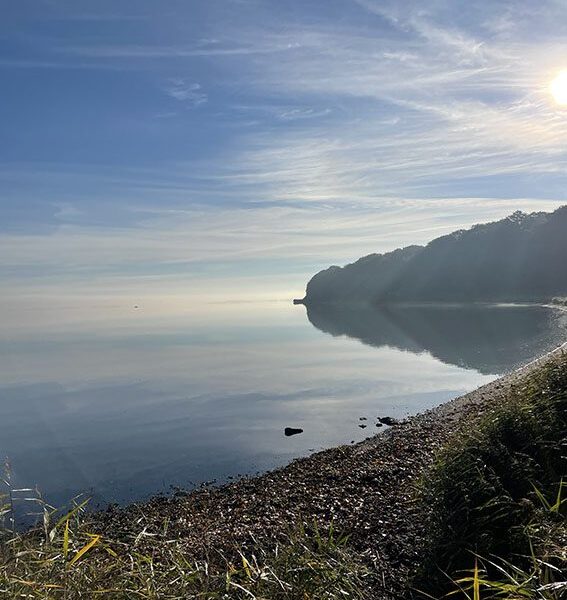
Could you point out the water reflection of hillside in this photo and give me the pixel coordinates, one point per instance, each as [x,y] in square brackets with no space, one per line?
[489,339]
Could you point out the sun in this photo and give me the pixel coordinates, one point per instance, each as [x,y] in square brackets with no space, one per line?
[559,88]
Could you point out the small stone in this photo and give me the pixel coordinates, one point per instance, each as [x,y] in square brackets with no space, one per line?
[388,421]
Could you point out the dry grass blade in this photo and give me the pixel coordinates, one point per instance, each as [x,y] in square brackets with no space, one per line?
[94,541]
[66,540]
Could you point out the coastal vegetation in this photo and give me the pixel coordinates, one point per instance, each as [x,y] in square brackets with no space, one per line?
[498,497]
[499,261]
[66,560]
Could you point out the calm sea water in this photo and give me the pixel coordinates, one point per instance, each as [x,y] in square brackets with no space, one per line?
[122,402]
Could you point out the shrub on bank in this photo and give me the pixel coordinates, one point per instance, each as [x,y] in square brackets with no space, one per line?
[498,497]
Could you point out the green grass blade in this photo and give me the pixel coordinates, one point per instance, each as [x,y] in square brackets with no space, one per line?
[65,518]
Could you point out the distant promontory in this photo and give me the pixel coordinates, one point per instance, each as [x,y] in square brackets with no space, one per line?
[520,258]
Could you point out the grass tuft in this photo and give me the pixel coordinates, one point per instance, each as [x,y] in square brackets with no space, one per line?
[498,490]
[72,562]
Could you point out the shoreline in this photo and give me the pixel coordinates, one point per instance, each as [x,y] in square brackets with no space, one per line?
[365,490]
[558,304]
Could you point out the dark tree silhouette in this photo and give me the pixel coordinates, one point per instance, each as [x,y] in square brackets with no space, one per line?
[520,258]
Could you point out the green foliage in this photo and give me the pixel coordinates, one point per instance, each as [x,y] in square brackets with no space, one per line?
[541,579]
[520,257]
[498,490]
[558,506]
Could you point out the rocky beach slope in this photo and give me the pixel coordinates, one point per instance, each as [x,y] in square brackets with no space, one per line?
[367,491]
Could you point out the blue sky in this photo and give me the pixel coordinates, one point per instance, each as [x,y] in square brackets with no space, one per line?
[222,147]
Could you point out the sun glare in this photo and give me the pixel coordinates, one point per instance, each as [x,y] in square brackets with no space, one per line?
[559,88]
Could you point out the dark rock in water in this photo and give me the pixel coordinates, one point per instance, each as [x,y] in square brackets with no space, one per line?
[388,421]
[292,431]
[362,426]
[363,419]
[379,424]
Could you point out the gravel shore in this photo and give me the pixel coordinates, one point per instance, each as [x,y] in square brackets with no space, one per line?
[366,490]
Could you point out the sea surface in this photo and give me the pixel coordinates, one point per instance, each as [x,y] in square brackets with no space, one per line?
[120,402]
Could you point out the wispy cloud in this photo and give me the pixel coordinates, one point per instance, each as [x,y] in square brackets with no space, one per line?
[189,93]
[198,244]
[435,104]
[293,114]
[206,48]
